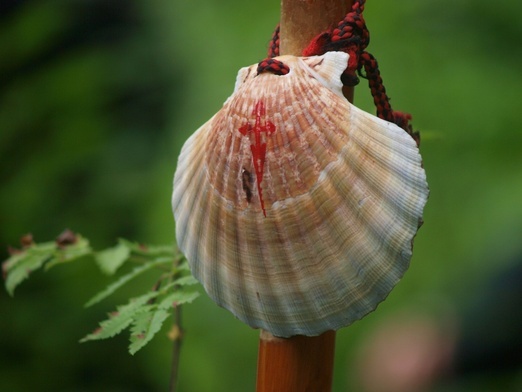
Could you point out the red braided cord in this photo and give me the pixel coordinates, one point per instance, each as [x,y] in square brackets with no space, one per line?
[380,98]
[270,64]
[377,89]
[273,49]
[352,36]
[274,66]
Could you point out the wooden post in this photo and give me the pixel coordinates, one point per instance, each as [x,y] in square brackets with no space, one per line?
[301,363]
[296,364]
[302,20]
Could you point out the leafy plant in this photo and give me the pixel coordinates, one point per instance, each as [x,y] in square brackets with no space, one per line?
[143,315]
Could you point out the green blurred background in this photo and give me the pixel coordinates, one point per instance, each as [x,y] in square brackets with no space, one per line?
[96,100]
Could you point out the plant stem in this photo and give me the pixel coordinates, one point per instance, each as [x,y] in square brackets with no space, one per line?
[301,363]
[176,335]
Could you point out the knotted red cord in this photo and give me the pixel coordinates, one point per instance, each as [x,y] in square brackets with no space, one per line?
[352,36]
[270,64]
[274,66]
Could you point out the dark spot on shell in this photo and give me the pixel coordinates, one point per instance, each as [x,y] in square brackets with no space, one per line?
[247,75]
[318,63]
[248,182]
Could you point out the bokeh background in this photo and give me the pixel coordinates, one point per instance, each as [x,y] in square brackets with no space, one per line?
[96,100]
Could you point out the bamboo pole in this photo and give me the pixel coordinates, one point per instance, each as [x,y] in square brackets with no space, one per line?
[301,363]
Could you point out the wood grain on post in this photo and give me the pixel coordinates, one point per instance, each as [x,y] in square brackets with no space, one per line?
[296,364]
[301,363]
[302,20]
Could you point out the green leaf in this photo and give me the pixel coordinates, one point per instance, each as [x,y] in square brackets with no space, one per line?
[20,265]
[122,318]
[126,278]
[186,281]
[70,252]
[144,315]
[109,260]
[177,298]
[183,266]
[149,250]
[144,327]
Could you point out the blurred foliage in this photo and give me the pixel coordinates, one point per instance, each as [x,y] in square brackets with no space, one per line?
[96,99]
[143,315]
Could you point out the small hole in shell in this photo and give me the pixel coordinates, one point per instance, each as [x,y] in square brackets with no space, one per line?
[362,201]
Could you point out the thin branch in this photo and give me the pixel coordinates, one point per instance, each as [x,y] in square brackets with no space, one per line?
[176,334]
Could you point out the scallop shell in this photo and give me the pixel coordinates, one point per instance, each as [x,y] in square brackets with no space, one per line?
[295,209]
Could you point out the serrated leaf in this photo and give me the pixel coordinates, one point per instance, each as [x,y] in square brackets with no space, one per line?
[70,252]
[183,266]
[144,327]
[177,298]
[20,265]
[149,250]
[122,318]
[186,281]
[125,279]
[111,259]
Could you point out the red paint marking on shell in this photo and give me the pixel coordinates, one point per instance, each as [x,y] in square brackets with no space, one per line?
[257,146]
